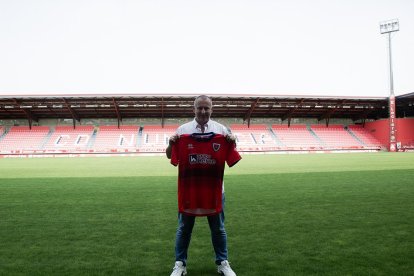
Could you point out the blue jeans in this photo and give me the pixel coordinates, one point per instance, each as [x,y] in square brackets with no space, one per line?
[218,236]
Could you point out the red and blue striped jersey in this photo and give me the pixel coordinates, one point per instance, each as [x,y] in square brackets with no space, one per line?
[201,159]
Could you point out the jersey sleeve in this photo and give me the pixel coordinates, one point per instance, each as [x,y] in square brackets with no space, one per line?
[233,155]
[175,153]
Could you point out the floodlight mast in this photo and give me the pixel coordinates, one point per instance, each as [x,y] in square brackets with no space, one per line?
[388,27]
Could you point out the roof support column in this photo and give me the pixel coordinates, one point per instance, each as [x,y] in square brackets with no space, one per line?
[249,113]
[162,112]
[75,117]
[327,121]
[118,114]
[29,117]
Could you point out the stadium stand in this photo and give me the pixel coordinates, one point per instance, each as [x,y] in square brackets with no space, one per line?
[21,138]
[368,140]
[68,139]
[253,138]
[296,137]
[154,138]
[114,139]
[58,139]
[336,137]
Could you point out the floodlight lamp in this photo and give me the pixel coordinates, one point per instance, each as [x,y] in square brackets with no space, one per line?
[389,26]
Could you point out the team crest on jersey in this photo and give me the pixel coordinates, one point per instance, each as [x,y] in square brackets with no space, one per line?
[216,146]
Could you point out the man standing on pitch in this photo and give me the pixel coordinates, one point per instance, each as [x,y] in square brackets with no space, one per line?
[202,126]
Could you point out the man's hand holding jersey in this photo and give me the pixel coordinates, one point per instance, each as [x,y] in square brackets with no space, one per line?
[231,138]
[173,139]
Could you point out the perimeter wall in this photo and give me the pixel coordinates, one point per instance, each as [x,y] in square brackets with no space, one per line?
[380,129]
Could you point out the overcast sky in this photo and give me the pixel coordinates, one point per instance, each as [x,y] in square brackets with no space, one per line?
[295,47]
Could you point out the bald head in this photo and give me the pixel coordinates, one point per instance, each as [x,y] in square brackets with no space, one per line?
[203,107]
[202,97]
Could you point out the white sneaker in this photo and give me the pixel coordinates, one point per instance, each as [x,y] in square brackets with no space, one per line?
[179,269]
[225,269]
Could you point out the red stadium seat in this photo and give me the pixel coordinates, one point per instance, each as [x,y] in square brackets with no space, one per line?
[363,135]
[22,138]
[68,139]
[111,138]
[336,137]
[155,137]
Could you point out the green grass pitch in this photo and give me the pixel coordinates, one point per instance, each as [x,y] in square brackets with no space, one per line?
[314,214]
